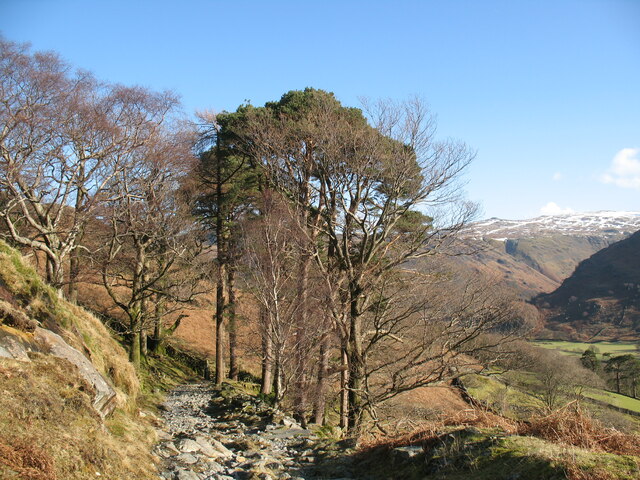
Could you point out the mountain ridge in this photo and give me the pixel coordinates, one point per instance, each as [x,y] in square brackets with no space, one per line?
[603,223]
[533,256]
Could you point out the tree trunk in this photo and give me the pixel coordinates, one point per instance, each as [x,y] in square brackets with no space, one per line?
[143,343]
[144,314]
[55,274]
[300,402]
[277,381]
[356,401]
[134,348]
[344,390]
[74,270]
[136,312]
[321,385]
[356,365]
[267,356]
[74,261]
[220,306]
[233,334]
[157,333]
[159,310]
[221,243]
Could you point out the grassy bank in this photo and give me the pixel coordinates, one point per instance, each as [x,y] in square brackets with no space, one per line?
[49,429]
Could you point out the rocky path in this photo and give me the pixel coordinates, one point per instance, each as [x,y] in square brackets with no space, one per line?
[219,434]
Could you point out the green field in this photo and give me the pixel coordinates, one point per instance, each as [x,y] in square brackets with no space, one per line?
[511,394]
[611,398]
[577,348]
[505,398]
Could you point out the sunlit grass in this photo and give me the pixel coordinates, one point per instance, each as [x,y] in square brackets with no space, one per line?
[614,399]
[578,348]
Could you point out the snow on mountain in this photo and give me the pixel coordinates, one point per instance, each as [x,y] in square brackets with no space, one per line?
[606,224]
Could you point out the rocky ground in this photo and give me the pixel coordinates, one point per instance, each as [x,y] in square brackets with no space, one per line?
[212,433]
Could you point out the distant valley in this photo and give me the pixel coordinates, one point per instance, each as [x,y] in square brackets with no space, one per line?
[534,257]
[601,299]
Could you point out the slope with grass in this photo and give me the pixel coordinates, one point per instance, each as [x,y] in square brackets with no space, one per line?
[615,399]
[519,396]
[576,349]
[482,453]
[49,425]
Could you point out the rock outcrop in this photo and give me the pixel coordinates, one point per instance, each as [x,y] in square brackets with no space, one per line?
[16,344]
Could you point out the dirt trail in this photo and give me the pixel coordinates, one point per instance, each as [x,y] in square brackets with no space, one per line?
[219,434]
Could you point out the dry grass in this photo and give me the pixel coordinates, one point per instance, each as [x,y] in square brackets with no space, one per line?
[21,459]
[46,407]
[575,472]
[28,294]
[430,409]
[568,440]
[48,427]
[476,417]
[571,426]
[426,432]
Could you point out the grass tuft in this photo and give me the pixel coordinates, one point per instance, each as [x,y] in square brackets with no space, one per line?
[571,426]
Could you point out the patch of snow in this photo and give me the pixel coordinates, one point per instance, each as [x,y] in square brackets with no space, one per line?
[603,223]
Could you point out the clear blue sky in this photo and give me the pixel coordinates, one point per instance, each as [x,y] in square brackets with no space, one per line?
[548,92]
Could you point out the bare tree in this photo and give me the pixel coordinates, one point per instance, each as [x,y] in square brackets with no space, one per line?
[152,251]
[62,142]
[559,377]
[428,327]
[272,252]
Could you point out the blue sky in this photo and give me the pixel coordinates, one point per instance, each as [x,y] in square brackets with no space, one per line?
[547,92]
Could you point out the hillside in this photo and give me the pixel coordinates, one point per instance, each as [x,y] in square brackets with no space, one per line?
[495,262]
[69,407]
[54,425]
[602,297]
[534,256]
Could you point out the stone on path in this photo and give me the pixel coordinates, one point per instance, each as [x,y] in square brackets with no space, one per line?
[183,474]
[209,436]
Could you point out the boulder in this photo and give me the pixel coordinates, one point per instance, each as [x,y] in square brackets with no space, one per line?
[187,459]
[224,451]
[16,344]
[188,445]
[407,453]
[206,448]
[184,474]
[13,345]
[104,400]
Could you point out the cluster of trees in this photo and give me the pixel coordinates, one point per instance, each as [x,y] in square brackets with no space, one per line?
[92,174]
[315,209]
[323,206]
[559,378]
[621,372]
